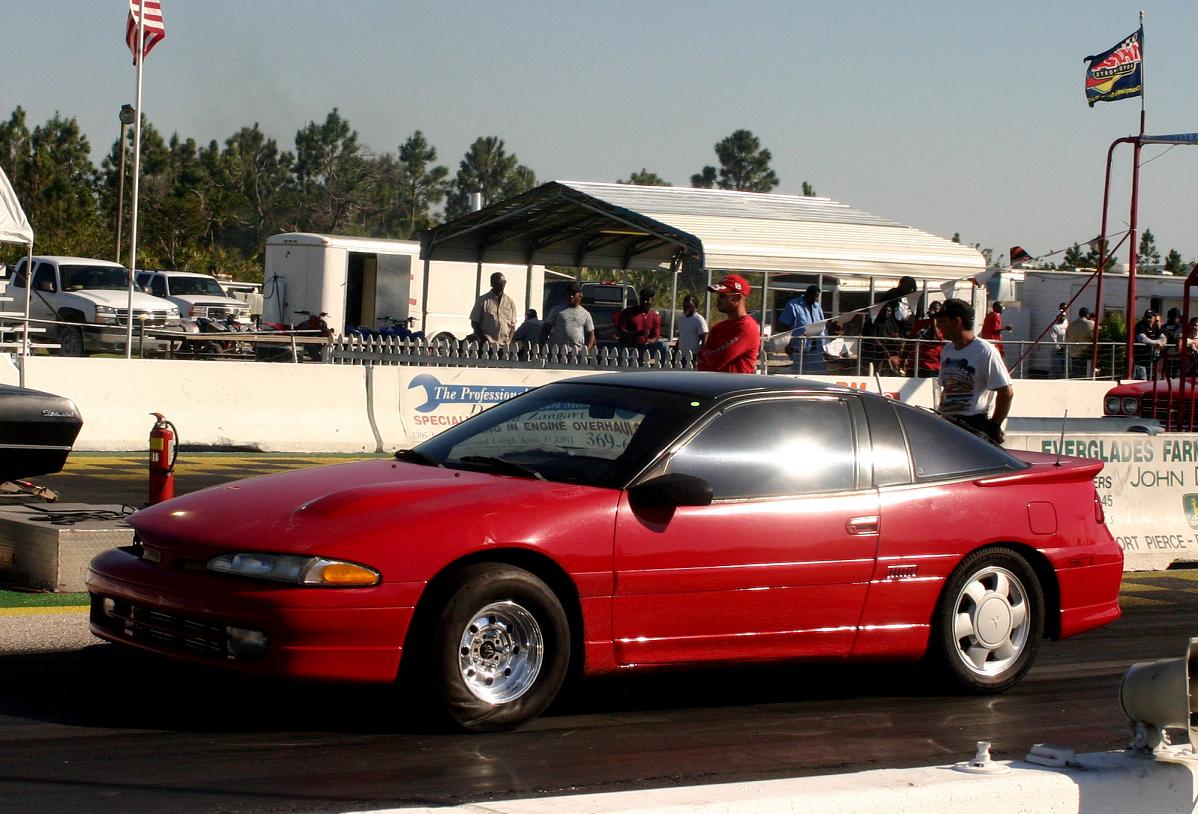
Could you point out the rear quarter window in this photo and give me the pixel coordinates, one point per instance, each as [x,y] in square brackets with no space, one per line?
[941,449]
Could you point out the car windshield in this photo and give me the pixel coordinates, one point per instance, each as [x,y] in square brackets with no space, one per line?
[568,432]
[182,286]
[78,278]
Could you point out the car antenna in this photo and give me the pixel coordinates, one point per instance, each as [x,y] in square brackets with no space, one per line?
[1061,440]
[878,379]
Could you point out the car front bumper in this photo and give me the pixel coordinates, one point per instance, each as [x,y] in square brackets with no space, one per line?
[338,634]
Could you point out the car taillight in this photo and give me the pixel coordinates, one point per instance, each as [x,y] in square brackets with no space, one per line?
[191,312]
[1099,514]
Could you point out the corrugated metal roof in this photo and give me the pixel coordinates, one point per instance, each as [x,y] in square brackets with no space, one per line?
[724,203]
[626,226]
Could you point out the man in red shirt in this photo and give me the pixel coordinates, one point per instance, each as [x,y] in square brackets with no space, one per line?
[639,326]
[992,327]
[732,345]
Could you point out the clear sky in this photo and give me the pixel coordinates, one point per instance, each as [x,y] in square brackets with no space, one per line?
[951,117]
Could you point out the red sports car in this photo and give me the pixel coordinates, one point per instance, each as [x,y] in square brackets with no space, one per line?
[620,521]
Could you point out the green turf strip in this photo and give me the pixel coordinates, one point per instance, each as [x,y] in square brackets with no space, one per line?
[24,599]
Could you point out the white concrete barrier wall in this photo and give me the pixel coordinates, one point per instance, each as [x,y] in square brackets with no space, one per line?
[1149,485]
[342,408]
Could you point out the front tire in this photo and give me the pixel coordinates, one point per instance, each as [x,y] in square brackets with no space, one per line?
[990,621]
[70,341]
[500,648]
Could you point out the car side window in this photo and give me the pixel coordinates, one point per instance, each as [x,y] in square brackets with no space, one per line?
[158,287]
[43,278]
[940,449]
[791,446]
[18,276]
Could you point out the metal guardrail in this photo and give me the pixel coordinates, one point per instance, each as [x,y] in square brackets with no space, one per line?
[865,355]
[388,350]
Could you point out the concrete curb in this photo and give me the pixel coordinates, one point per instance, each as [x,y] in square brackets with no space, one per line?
[1099,783]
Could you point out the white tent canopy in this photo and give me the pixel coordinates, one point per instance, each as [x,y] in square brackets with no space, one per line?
[14,226]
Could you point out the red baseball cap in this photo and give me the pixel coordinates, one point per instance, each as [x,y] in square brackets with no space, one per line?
[732,284]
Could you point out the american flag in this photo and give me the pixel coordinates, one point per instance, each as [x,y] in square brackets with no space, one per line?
[155,30]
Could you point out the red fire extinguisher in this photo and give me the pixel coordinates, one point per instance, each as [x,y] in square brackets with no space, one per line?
[164,449]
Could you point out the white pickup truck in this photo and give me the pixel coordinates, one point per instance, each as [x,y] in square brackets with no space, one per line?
[195,295]
[94,296]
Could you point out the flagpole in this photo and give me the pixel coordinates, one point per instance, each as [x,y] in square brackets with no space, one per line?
[1133,233]
[139,58]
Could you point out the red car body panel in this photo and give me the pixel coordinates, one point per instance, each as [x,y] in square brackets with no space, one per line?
[742,579]
[855,574]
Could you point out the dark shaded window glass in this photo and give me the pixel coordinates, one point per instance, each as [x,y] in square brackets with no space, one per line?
[771,448]
[941,449]
[891,464]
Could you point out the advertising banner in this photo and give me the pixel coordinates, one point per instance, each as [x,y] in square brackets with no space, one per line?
[1148,487]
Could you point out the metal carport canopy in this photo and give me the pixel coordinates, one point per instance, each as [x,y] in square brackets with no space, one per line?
[575,223]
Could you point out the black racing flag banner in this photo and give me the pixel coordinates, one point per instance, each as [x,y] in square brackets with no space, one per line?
[1117,73]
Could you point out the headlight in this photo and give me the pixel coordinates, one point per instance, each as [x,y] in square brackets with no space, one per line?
[295,569]
[105,314]
[1131,405]
[1111,407]
[172,313]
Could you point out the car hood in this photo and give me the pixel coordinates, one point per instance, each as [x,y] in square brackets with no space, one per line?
[120,299]
[1163,388]
[208,300]
[344,510]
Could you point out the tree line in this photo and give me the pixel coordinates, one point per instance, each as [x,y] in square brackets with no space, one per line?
[211,207]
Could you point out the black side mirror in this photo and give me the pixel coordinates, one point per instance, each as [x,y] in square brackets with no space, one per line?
[674,489]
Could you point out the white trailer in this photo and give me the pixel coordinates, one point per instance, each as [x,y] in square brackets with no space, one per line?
[1033,297]
[358,280]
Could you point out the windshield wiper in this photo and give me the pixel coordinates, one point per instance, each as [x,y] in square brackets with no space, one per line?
[502,465]
[414,457]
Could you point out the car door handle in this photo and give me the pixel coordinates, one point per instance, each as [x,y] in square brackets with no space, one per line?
[862,525]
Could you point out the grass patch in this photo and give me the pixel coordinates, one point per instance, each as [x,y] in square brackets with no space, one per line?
[30,599]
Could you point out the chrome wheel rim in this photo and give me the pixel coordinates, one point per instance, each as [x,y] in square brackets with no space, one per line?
[991,621]
[500,652]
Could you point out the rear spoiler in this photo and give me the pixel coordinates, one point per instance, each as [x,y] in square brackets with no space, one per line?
[1068,470]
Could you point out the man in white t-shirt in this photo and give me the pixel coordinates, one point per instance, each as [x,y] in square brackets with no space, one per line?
[970,370]
[692,329]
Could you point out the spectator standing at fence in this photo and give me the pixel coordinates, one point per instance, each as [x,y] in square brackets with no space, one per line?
[494,314]
[1175,334]
[1080,337]
[639,326]
[1191,347]
[1150,344]
[733,344]
[569,326]
[992,327]
[972,373]
[1056,335]
[924,358]
[884,347]
[692,329]
[804,316]
[898,297]
[530,329]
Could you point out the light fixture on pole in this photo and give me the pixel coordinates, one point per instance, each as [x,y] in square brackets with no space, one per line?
[126,116]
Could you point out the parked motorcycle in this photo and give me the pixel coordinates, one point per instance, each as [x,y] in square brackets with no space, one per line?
[398,328]
[270,352]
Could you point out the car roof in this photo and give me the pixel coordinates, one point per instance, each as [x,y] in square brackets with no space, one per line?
[176,273]
[90,261]
[710,385]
